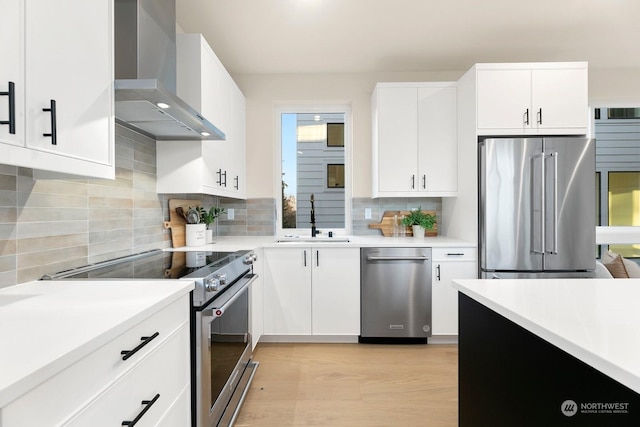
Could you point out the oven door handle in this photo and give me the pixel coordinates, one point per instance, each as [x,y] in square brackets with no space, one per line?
[218,307]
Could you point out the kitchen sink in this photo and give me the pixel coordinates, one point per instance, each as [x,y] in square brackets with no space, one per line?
[300,239]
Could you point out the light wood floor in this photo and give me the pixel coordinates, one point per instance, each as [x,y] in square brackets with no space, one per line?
[353,385]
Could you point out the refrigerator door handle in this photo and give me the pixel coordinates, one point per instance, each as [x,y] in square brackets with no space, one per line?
[554,217]
[541,226]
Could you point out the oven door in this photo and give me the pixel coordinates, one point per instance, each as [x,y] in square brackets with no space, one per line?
[223,355]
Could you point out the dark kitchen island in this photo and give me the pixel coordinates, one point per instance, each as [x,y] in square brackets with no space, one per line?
[553,352]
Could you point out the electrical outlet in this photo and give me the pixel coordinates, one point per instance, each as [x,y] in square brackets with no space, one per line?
[231,214]
[367,213]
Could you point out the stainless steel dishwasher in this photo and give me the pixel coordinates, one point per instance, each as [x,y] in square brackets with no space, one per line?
[395,286]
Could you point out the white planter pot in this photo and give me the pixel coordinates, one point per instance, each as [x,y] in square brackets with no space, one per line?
[418,232]
[195,234]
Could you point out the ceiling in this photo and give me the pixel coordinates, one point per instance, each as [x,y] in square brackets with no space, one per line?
[360,36]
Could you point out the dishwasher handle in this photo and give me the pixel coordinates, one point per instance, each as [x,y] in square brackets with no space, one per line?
[397,258]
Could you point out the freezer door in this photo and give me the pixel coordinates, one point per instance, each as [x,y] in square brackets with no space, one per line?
[510,228]
[569,204]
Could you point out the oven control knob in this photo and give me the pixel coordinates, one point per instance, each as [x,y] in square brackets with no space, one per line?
[250,259]
[211,285]
[222,278]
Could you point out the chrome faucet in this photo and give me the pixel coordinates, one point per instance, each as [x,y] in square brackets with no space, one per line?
[314,231]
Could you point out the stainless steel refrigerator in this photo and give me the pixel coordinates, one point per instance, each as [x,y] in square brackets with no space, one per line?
[536,207]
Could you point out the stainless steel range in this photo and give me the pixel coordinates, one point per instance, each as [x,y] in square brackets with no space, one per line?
[222,359]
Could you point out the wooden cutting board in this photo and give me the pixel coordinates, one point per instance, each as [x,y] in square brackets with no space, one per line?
[176,222]
[178,261]
[386,224]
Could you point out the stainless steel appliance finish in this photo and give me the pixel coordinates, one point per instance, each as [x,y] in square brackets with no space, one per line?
[536,207]
[221,348]
[145,71]
[224,364]
[395,294]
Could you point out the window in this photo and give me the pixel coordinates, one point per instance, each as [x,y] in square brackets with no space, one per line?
[335,134]
[335,176]
[624,207]
[617,134]
[314,159]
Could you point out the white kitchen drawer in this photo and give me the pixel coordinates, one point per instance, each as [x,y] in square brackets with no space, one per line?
[72,388]
[164,372]
[453,254]
[179,414]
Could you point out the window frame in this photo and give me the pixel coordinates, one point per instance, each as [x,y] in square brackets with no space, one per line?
[293,108]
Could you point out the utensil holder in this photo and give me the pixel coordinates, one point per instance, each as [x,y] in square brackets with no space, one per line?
[195,234]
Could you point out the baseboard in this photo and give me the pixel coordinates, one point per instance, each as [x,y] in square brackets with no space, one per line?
[309,338]
[443,339]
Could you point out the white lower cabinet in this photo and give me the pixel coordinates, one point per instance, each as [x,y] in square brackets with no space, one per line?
[449,264]
[152,386]
[311,291]
[103,389]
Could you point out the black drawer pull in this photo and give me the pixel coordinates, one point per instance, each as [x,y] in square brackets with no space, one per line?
[11,93]
[145,340]
[148,404]
[455,254]
[54,131]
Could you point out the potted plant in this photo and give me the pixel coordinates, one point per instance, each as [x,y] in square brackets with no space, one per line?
[208,217]
[419,221]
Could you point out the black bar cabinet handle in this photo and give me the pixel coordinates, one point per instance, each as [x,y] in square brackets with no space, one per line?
[54,131]
[148,404]
[305,258]
[237,184]
[526,117]
[438,272]
[413,182]
[540,116]
[424,182]
[317,258]
[225,178]
[11,93]
[145,340]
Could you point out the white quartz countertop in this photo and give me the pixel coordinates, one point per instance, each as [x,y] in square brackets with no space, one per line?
[235,243]
[595,320]
[45,326]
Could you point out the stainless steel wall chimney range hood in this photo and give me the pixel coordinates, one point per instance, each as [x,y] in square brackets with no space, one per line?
[145,70]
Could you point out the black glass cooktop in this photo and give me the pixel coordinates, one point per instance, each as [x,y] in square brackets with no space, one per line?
[148,265]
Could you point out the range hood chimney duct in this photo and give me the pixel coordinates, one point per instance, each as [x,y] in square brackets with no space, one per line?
[145,70]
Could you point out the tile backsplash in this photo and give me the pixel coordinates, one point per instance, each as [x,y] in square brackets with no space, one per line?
[51,225]
[360,225]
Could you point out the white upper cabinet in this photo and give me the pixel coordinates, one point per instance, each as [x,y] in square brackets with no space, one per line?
[414,140]
[208,167]
[540,98]
[12,74]
[437,140]
[62,86]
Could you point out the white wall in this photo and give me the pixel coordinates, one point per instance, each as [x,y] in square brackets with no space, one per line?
[263,92]
[614,85]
